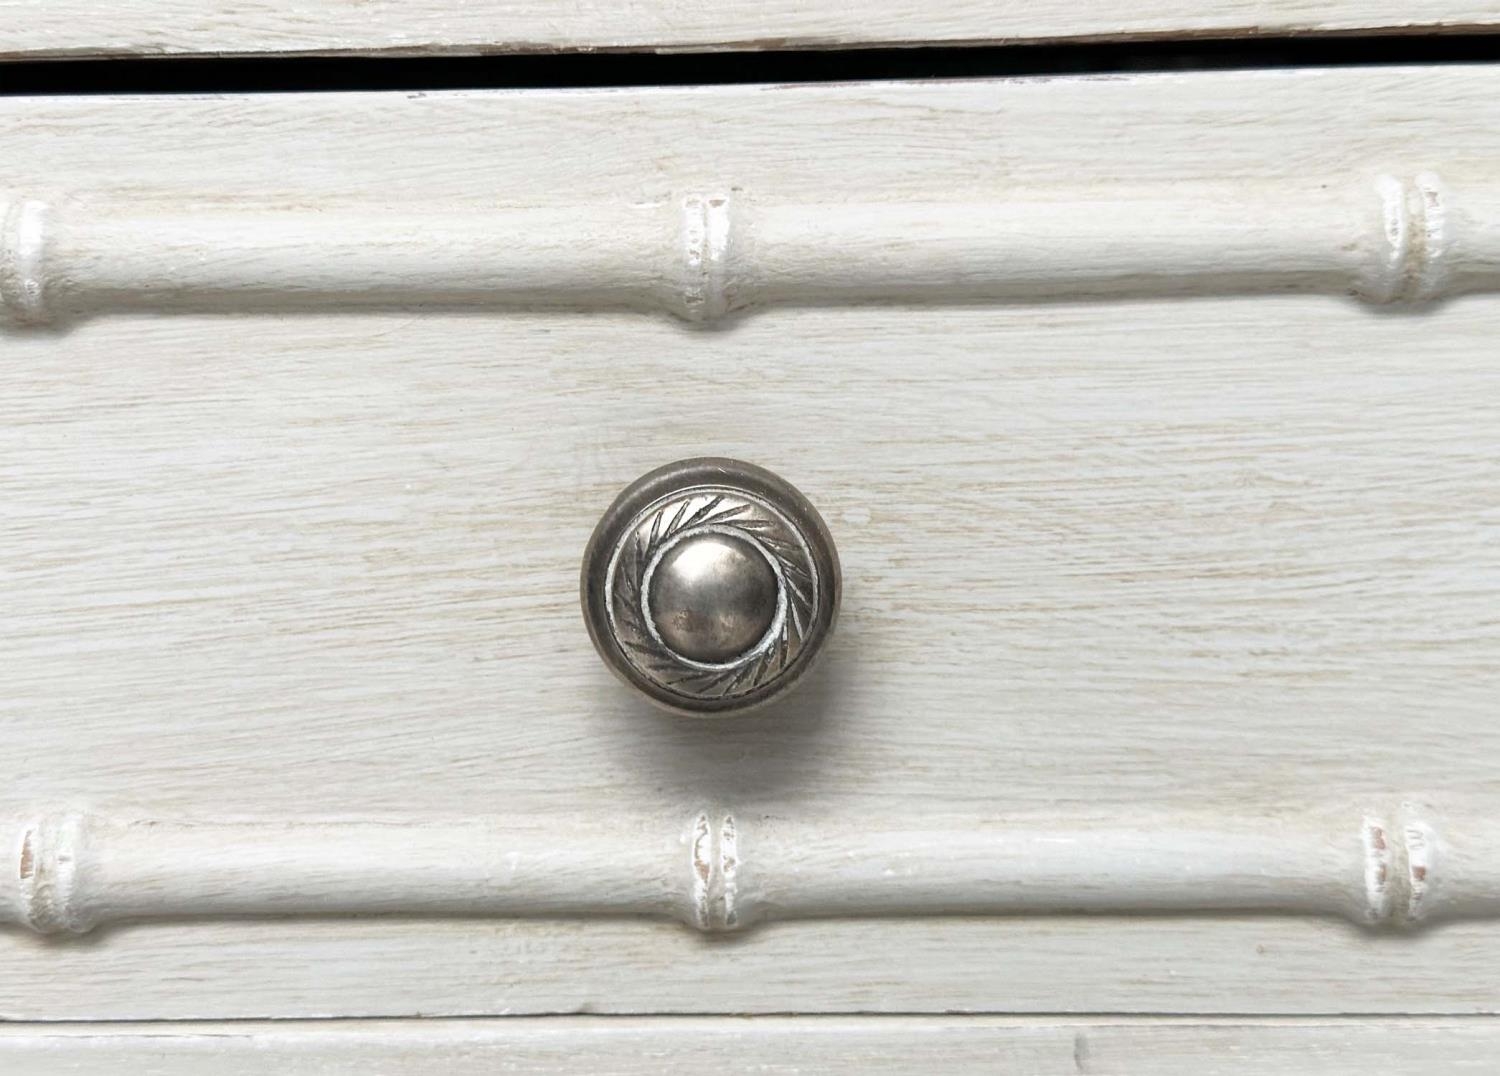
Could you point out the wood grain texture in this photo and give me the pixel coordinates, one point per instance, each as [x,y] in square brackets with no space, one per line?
[765,1045]
[1230,555]
[465,966]
[78,27]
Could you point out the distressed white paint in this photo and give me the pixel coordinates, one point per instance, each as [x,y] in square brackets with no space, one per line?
[767,1045]
[73,872]
[389,966]
[706,256]
[1218,557]
[79,27]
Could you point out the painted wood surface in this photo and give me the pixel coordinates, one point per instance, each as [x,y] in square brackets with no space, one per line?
[1143,561]
[74,27]
[787,1044]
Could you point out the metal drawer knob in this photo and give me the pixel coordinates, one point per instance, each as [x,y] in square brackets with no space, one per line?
[710,585]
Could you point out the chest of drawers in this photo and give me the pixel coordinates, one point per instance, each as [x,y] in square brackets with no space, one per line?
[1157,422]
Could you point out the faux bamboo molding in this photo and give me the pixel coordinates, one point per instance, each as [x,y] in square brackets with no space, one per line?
[707,256]
[71,872]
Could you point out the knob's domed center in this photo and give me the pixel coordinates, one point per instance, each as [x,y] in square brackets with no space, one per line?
[712,597]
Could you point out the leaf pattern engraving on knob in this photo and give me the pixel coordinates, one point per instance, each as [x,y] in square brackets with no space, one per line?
[680,517]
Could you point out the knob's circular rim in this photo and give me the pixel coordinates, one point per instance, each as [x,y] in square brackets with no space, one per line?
[678,478]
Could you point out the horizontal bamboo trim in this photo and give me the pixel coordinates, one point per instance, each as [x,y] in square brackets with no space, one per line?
[708,256]
[71,872]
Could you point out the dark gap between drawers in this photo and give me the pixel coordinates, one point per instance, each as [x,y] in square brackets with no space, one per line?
[302,74]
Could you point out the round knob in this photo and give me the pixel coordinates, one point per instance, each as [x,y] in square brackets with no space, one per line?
[710,585]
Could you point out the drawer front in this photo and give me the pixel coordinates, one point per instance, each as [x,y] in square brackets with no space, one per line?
[72,28]
[856,1045]
[1163,471]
